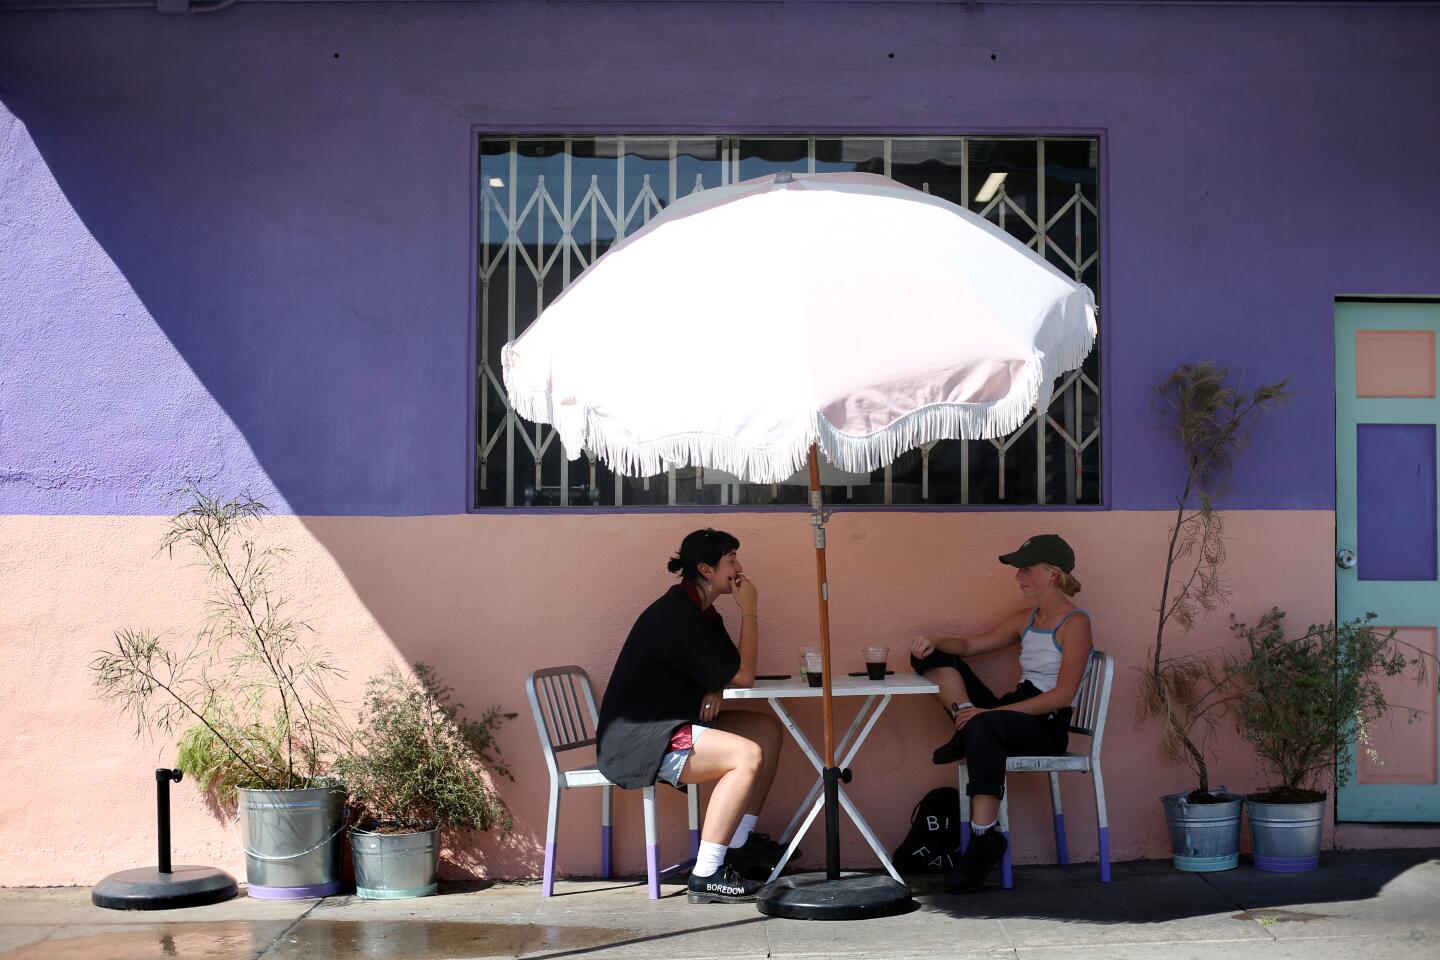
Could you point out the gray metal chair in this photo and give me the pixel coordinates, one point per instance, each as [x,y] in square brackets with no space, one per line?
[1091,703]
[563,704]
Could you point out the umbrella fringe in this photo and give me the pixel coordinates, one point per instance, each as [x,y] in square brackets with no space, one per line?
[777,462]
[648,458]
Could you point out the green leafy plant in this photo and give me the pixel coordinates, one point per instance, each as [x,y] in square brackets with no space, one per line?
[416,762]
[247,689]
[1210,418]
[1303,700]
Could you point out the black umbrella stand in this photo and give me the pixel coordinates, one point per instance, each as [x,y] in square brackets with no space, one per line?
[163,887]
[829,895]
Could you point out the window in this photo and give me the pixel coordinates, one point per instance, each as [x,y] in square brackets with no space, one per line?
[549,206]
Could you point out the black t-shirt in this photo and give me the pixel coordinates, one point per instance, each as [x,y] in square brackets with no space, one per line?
[674,655]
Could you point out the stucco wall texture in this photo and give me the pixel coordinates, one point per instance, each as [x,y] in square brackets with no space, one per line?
[485,599]
[234,249]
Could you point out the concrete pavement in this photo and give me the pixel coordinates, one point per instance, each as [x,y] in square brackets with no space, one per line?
[1379,905]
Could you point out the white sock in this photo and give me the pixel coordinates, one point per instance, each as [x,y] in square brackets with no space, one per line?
[708,860]
[978,828]
[742,832]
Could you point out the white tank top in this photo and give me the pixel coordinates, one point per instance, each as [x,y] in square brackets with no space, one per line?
[1040,653]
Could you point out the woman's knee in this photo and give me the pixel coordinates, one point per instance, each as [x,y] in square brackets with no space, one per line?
[744,756]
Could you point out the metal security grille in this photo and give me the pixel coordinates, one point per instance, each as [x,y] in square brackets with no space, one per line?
[549,206]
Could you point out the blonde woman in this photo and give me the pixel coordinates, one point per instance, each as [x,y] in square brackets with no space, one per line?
[1031,720]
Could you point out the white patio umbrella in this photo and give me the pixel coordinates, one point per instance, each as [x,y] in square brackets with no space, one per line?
[749,324]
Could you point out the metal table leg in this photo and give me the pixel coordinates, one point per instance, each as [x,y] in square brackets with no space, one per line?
[849,746]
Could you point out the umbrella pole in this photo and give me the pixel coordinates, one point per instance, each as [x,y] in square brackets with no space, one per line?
[828,896]
[831,775]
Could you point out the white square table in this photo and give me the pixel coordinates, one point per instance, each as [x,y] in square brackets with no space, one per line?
[877,694]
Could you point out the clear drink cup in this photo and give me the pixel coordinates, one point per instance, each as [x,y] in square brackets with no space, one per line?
[811,666]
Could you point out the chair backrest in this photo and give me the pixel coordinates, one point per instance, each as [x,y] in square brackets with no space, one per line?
[564,708]
[1092,700]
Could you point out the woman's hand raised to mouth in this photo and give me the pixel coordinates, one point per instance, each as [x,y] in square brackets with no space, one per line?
[745,594]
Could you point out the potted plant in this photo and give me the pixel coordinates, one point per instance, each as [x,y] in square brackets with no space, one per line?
[1301,702]
[1186,694]
[417,767]
[249,694]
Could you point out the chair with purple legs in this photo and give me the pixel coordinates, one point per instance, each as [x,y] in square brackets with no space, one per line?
[1091,702]
[563,704]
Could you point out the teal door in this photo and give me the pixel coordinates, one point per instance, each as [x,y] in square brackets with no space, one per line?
[1386,418]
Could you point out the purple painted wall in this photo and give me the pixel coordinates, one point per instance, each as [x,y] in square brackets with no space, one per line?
[282,193]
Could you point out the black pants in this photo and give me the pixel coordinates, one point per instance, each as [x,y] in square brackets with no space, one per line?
[991,738]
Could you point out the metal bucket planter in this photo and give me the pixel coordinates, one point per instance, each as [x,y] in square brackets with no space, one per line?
[1285,837]
[293,842]
[1205,837]
[394,866]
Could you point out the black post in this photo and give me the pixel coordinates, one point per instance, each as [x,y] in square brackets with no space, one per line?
[162,813]
[832,823]
[162,887]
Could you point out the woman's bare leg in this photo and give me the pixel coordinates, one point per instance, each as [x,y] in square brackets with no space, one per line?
[984,809]
[952,686]
[733,763]
[764,730]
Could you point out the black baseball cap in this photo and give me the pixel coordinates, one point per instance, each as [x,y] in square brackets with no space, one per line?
[1042,548]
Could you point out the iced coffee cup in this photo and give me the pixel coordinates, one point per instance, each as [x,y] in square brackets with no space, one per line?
[810,667]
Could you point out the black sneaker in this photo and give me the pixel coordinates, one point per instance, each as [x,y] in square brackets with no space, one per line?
[976,862]
[723,886]
[757,857]
[951,751]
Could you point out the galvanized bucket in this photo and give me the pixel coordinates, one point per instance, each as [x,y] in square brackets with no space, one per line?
[1285,837]
[393,866]
[292,841]
[1204,836]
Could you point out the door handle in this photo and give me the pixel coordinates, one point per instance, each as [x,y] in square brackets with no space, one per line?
[1345,558]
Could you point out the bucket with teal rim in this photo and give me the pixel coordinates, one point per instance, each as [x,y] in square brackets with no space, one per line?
[1205,837]
[393,865]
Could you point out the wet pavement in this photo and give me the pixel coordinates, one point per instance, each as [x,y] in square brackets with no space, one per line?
[1381,905]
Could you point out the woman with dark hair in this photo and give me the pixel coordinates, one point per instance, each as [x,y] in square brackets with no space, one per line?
[661,717]
[1033,719]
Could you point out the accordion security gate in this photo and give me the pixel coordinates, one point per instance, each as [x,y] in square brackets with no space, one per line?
[548,207]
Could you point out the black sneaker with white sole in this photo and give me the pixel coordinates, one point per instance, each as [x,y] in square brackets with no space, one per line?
[725,885]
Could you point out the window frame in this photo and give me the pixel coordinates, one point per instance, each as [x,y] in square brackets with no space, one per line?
[479,132]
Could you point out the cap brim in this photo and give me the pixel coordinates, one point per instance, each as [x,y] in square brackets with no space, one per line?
[1019,559]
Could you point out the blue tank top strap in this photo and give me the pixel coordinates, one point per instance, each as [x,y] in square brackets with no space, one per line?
[1055,634]
[1031,622]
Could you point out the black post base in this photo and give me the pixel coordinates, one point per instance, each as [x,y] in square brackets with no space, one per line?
[856,896]
[146,888]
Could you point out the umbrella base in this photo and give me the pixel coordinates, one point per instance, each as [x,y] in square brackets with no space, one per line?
[855,896]
[147,888]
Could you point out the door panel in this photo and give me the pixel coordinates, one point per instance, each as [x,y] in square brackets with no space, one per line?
[1402,747]
[1386,510]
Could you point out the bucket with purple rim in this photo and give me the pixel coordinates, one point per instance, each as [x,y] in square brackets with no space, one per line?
[293,841]
[1285,837]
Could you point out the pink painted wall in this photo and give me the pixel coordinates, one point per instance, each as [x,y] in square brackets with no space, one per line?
[488,598]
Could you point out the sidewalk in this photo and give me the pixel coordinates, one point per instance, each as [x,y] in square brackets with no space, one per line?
[1379,905]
